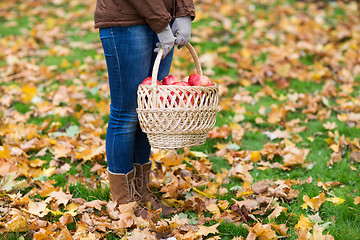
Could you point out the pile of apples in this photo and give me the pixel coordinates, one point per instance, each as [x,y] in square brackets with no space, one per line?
[179,98]
[193,80]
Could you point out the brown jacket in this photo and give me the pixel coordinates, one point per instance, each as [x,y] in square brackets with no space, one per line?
[156,13]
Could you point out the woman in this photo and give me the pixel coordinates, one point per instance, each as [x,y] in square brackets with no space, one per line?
[131,33]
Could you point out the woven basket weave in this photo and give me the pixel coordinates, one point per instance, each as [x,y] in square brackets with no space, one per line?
[176,116]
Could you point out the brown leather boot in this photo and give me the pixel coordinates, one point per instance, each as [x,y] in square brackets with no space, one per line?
[142,178]
[122,188]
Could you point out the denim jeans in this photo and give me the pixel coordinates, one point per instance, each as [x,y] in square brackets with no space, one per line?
[129,54]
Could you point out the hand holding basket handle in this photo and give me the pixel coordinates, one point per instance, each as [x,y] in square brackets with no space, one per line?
[167,41]
[177,116]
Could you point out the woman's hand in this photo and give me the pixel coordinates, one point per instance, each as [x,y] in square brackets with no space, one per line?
[167,41]
[181,28]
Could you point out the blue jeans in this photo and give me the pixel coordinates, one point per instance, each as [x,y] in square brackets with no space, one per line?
[129,54]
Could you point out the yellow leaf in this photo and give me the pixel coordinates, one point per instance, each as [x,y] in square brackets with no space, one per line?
[48,172]
[198,154]
[72,208]
[255,156]
[342,117]
[304,223]
[336,200]
[17,223]
[223,204]
[5,153]
[304,206]
[28,92]
[65,64]
[315,202]
[335,147]
[203,193]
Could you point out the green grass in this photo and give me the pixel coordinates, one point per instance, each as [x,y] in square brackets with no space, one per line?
[87,192]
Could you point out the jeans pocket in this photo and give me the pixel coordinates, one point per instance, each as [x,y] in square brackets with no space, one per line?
[107,41]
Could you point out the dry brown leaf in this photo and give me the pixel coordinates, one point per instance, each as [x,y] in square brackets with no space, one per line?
[204,230]
[241,171]
[294,156]
[277,211]
[61,197]
[261,232]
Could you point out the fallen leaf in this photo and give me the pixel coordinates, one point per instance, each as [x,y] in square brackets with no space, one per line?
[336,200]
[315,202]
[277,211]
[357,200]
[304,223]
[261,232]
[204,230]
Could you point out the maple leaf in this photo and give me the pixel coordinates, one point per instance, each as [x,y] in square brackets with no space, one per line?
[142,234]
[213,208]
[17,222]
[37,208]
[249,204]
[9,184]
[277,211]
[336,200]
[4,152]
[294,156]
[304,223]
[315,202]
[355,157]
[6,167]
[261,232]
[241,171]
[357,200]
[282,229]
[61,197]
[317,234]
[204,230]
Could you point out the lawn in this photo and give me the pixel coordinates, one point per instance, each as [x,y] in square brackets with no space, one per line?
[282,161]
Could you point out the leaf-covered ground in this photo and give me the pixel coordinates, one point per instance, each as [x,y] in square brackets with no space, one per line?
[281,163]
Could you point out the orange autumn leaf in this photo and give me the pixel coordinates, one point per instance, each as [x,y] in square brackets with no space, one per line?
[357,200]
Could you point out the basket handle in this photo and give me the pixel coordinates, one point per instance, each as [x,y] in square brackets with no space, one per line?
[158,59]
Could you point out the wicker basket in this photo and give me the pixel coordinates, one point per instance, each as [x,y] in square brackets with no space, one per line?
[176,116]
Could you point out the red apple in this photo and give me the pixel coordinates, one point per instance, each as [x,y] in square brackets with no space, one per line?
[181,83]
[199,80]
[193,78]
[147,81]
[168,80]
